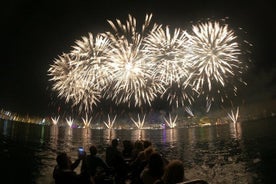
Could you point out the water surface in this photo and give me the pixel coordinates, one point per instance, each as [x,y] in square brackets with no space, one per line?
[244,153]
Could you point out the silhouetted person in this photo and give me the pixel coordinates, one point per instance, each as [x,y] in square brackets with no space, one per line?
[154,169]
[138,147]
[127,149]
[174,172]
[138,165]
[64,170]
[95,166]
[146,143]
[115,160]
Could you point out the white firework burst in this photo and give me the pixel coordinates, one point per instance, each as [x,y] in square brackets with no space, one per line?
[170,64]
[133,80]
[80,76]
[136,65]
[214,58]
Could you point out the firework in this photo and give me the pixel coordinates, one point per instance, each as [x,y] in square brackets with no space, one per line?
[234,116]
[168,51]
[86,121]
[55,120]
[109,124]
[81,75]
[171,122]
[135,66]
[214,58]
[133,81]
[139,123]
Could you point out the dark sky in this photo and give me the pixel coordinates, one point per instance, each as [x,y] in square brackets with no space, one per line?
[36,32]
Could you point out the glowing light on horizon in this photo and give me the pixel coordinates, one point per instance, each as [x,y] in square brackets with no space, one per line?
[139,123]
[86,121]
[55,120]
[69,121]
[234,116]
[110,123]
[171,122]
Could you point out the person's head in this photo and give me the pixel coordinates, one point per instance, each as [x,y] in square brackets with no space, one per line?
[156,164]
[139,145]
[63,161]
[93,150]
[148,151]
[174,172]
[127,144]
[147,143]
[115,142]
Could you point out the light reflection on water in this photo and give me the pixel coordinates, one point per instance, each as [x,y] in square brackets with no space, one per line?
[241,153]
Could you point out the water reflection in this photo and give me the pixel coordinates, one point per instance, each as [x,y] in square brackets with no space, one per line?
[53,137]
[236,130]
[109,134]
[138,134]
[226,153]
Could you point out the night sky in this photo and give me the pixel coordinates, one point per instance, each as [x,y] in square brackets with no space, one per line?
[36,32]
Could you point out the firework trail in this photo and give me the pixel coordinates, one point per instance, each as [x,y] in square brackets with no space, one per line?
[214,57]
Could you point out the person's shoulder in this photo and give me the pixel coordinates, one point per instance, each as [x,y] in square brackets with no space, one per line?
[66,174]
[159,181]
[194,181]
[145,171]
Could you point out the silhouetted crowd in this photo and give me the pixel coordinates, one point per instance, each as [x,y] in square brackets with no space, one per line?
[123,162]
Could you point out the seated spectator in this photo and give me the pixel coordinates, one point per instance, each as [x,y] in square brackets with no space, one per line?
[115,160]
[147,143]
[137,148]
[138,165]
[195,181]
[174,172]
[127,149]
[64,170]
[154,169]
[95,167]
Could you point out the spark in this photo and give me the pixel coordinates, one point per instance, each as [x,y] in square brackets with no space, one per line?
[208,105]
[189,111]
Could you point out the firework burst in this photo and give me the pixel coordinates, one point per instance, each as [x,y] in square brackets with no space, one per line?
[81,75]
[214,58]
[134,66]
[134,83]
[170,65]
